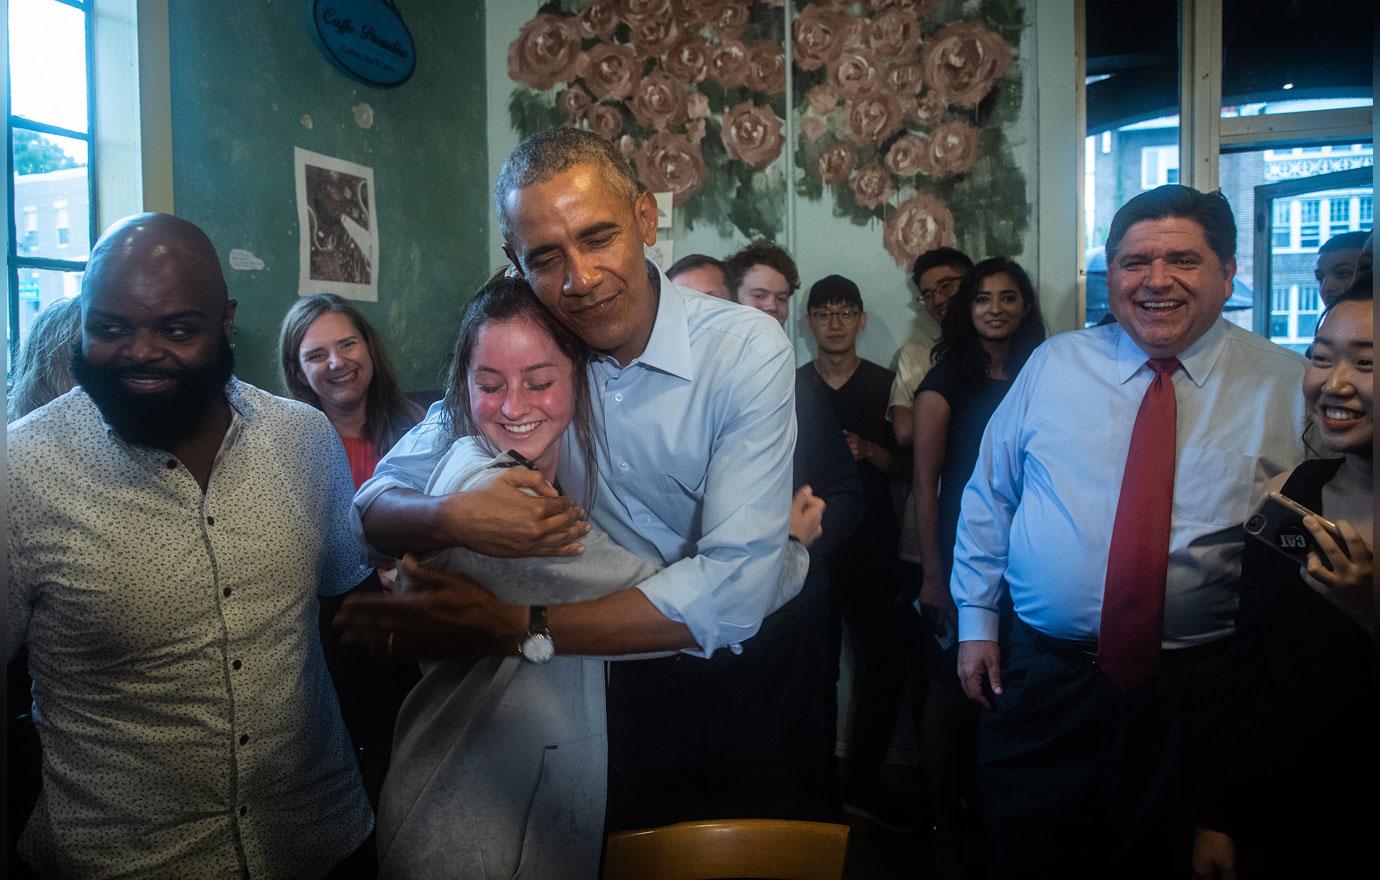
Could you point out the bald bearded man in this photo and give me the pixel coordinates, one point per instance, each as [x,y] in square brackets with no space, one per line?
[171,528]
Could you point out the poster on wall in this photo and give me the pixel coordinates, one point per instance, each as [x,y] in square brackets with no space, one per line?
[338,227]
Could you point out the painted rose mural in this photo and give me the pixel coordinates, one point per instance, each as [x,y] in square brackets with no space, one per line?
[899,107]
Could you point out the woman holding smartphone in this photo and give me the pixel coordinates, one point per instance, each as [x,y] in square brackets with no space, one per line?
[1300,795]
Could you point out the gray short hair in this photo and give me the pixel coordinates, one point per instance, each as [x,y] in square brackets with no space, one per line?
[544,154]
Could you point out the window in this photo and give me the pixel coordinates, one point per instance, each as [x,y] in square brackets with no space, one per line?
[1158,166]
[1281,229]
[50,132]
[1339,214]
[1236,95]
[62,222]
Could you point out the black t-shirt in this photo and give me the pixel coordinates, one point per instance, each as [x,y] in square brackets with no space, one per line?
[969,411]
[860,406]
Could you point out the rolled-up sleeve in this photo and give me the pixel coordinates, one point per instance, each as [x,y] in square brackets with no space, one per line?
[734,579]
[408,465]
[988,509]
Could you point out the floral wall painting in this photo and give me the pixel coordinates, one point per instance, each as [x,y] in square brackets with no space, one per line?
[900,108]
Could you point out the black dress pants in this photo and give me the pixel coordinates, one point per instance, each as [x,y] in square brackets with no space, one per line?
[1080,780]
[732,736]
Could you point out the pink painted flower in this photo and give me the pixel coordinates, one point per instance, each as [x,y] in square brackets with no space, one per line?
[695,14]
[695,130]
[921,223]
[813,127]
[599,19]
[823,99]
[894,33]
[728,63]
[871,186]
[952,148]
[963,61]
[906,158]
[752,134]
[634,12]
[836,162]
[929,109]
[670,162]
[627,146]
[870,119]
[697,105]
[688,59]
[612,72]
[654,36]
[659,101]
[818,35]
[605,120]
[904,79]
[545,52]
[854,73]
[731,20]
[573,101]
[766,70]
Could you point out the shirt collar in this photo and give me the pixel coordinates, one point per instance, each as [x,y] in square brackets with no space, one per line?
[668,348]
[1197,360]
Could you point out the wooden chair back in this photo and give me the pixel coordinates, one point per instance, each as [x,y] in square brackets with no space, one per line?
[772,849]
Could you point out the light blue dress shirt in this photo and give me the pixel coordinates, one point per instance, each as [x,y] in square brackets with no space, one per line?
[1042,500]
[694,440]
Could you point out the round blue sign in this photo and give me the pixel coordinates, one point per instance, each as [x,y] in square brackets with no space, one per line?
[366,40]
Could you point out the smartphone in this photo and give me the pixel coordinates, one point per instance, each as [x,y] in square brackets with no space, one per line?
[1279,523]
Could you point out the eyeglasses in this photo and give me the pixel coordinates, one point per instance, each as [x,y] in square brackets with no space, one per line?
[943,288]
[844,316]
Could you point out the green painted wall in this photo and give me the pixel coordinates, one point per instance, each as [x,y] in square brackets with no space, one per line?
[245,75]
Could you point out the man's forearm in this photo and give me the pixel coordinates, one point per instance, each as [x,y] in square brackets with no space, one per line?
[625,622]
[403,521]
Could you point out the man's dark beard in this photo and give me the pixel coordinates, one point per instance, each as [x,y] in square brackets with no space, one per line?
[159,420]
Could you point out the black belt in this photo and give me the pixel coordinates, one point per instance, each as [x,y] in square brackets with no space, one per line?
[1085,651]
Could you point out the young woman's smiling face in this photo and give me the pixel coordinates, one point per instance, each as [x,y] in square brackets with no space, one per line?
[1338,384]
[522,392]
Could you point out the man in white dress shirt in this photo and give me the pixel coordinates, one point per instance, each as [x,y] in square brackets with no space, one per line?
[170,530]
[1108,497]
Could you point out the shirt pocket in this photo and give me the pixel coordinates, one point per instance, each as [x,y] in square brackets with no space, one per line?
[1213,486]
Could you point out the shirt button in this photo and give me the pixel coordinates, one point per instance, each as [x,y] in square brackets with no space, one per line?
[225,592]
[625,466]
[172,463]
[244,738]
[618,397]
[236,664]
[210,520]
[243,810]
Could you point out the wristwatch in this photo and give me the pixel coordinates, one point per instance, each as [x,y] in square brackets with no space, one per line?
[537,647]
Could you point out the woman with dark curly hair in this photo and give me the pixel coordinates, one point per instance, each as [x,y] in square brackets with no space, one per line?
[331,357]
[990,328]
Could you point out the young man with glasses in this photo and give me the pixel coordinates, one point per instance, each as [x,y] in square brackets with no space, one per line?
[864,571]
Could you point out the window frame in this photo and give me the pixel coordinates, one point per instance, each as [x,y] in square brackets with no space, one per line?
[1203,131]
[14,261]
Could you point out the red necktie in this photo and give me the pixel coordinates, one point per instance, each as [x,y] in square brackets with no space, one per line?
[1128,649]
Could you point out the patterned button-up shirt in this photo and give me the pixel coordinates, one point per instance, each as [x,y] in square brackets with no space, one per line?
[188,722]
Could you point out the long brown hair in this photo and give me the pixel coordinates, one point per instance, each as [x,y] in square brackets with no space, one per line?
[388,413]
[507,297]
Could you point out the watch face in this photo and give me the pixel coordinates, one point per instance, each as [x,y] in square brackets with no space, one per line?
[538,648]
